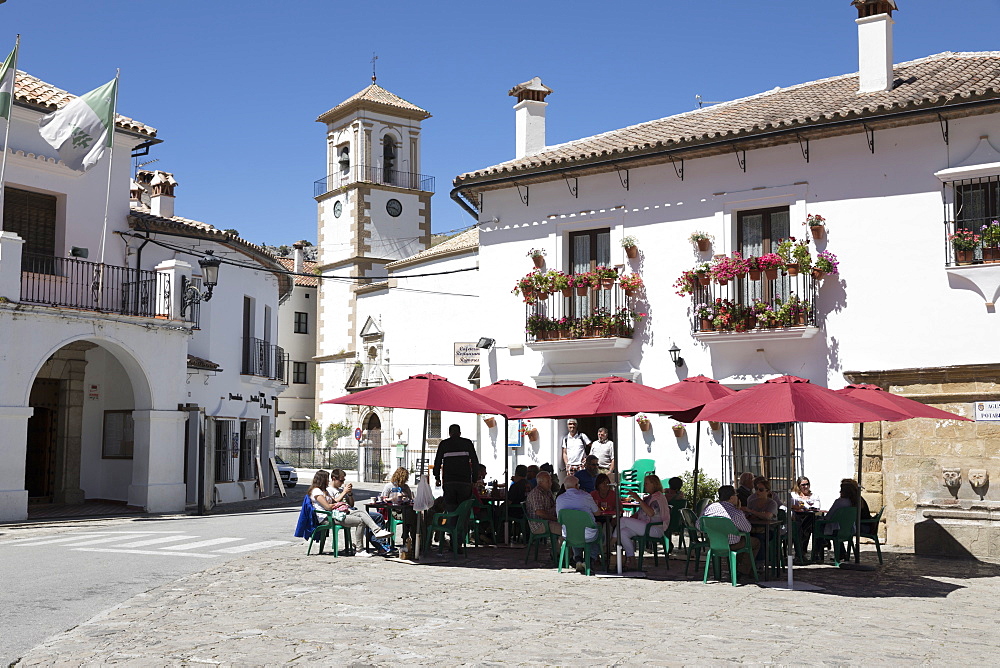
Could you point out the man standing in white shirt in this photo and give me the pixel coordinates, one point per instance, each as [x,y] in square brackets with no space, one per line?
[574,448]
[604,450]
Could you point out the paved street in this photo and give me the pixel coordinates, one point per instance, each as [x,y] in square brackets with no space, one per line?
[276,605]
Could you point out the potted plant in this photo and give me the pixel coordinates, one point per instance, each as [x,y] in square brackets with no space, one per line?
[702,240]
[991,239]
[490,421]
[704,273]
[793,311]
[606,276]
[816,224]
[753,267]
[784,251]
[964,241]
[582,283]
[686,283]
[631,284]
[643,422]
[802,256]
[559,282]
[725,268]
[705,313]
[631,246]
[528,430]
[826,263]
[770,263]
[538,326]
[764,315]
[537,256]
[714,426]
[542,284]
[678,429]
[525,287]
[562,328]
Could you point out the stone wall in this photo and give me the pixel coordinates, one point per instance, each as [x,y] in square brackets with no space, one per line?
[903,462]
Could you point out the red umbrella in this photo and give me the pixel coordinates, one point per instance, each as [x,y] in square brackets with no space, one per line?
[610,396]
[428,392]
[515,394]
[876,396]
[793,399]
[704,390]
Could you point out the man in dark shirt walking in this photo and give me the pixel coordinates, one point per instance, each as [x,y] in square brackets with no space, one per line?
[455,461]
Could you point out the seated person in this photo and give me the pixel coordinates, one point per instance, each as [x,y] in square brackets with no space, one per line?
[652,508]
[342,494]
[575,498]
[397,492]
[588,474]
[805,504]
[604,495]
[726,507]
[530,477]
[320,494]
[745,490]
[552,474]
[760,507]
[673,491]
[479,482]
[541,506]
[850,496]
[518,491]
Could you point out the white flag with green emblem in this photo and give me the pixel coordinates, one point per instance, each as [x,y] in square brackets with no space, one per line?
[82,129]
[7,72]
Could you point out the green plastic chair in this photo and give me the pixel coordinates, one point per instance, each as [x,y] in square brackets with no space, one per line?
[842,538]
[575,522]
[676,526]
[477,523]
[643,467]
[628,482]
[457,530]
[328,528]
[699,509]
[537,538]
[522,521]
[873,535]
[696,539]
[645,540]
[718,530]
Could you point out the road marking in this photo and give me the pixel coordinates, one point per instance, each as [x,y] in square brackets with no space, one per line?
[154,541]
[253,546]
[163,553]
[204,543]
[45,540]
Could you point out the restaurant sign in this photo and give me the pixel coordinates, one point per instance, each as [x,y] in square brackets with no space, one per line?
[466,354]
[987,411]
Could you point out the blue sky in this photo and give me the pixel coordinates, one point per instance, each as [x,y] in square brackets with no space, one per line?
[234,88]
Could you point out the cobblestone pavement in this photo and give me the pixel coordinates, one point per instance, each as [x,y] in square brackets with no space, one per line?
[491,608]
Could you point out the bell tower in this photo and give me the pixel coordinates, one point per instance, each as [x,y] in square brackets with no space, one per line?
[374,207]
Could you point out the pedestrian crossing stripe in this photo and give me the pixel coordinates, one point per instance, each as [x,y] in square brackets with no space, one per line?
[172,543]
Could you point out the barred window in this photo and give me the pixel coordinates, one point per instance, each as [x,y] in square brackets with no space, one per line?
[434,424]
[32,216]
[227,449]
[977,202]
[767,450]
[249,448]
[119,439]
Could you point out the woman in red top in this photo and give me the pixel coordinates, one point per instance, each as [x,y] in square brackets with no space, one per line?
[604,494]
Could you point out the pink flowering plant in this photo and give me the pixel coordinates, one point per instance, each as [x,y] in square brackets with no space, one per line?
[525,286]
[587,279]
[814,219]
[826,262]
[991,234]
[631,282]
[801,254]
[686,283]
[964,239]
[727,268]
[605,273]
[770,261]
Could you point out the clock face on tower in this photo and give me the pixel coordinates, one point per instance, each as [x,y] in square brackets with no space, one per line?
[338,209]
[393,207]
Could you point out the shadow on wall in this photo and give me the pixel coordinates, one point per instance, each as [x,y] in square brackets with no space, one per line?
[934,540]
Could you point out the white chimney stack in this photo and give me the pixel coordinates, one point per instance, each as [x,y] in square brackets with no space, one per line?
[297,263]
[161,199]
[529,116]
[874,44]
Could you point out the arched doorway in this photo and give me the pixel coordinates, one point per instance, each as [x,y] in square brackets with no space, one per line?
[372,442]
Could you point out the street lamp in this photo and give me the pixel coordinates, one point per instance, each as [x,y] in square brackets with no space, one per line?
[675,355]
[190,295]
[485,343]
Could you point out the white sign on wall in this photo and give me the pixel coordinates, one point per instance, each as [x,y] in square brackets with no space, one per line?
[987,410]
[466,354]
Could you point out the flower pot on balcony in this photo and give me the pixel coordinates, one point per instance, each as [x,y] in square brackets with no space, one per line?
[632,252]
[704,280]
[704,244]
[678,430]
[542,294]
[607,283]
[567,292]
[817,231]
[964,256]
[722,281]
[527,294]
[800,319]
[714,426]
[792,268]
[706,325]
[645,425]
[539,261]
[991,254]
[818,274]
[490,421]
[532,435]
[562,334]
[582,290]
[771,274]
[630,293]
[754,274]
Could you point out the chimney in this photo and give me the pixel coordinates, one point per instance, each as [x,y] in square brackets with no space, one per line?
[134,194]
[529,115]
[161,200]
[874,44]
[297,264]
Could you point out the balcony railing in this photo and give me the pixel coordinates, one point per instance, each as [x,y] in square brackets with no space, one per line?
[982,252]
[743,305]
[364,173]
[90,286]
[598,313]
[263,358]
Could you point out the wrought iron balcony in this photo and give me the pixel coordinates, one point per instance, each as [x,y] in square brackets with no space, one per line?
[366,174]
[980,243]
[744,305]
[593,314]
[91,286]
[264,359]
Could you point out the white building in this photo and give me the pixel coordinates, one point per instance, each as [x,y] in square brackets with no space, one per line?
[297,329]
[101,370]
[894,159]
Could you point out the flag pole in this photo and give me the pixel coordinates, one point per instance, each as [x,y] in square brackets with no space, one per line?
[6,133]
[111,161]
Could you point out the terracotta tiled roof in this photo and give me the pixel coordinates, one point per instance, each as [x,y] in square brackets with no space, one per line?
[376,95]
[142,219]
[307,268]
[201,363]
[34,91]
[467,240]
[934,82]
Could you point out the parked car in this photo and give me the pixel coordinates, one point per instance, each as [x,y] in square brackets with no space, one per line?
[289,476]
